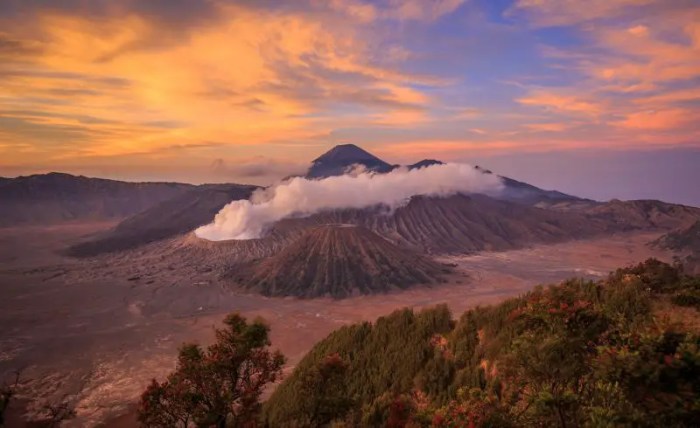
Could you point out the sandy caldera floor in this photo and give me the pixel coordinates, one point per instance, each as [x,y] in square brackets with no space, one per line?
[97,341]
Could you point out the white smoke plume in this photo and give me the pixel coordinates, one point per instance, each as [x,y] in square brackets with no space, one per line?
[300,197]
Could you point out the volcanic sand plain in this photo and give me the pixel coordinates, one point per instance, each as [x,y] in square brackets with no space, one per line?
[93,333]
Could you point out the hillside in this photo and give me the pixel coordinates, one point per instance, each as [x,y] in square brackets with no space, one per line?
[427,226]
[637,214]
[683,239]
[178,215]
[457,224]
[580,353]
[528,194]
[57,197]
[686,241]
[338,261]
[468,223]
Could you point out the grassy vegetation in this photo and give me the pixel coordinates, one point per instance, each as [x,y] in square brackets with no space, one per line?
[576,354]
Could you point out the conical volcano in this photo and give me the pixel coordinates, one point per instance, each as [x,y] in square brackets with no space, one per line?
[339,159]
[338,261]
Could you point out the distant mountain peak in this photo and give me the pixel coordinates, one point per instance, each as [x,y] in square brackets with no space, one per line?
[337,160]
[346,152]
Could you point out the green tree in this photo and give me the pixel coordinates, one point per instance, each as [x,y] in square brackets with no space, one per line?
[217,386]
[656,376]
[576,354]
[474,408]
[548,361]
[325,394]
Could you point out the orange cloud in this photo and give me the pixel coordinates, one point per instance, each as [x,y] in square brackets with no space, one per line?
[548,127]
[568,103]
[670,96]
[657,120]
[248,78]
[641,72]
[643,57]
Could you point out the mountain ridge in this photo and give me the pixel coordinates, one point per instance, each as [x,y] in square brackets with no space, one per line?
[178,215]
[60,197]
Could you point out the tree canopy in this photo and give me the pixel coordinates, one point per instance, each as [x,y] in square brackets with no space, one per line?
[577,354]
[218,386]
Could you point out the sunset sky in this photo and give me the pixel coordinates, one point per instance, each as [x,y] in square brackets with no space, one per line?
[546,90]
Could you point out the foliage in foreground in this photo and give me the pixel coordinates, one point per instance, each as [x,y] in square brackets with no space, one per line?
[216,387]
[578,354]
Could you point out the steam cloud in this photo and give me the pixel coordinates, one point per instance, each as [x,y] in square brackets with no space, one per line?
[300,197]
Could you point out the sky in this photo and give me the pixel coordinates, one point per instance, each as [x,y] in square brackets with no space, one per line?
[598,97]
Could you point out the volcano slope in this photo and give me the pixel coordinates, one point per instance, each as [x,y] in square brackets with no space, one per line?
[172,217]
[456,224]
[463,224]
[468,223]
[338,260]
[460,224]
